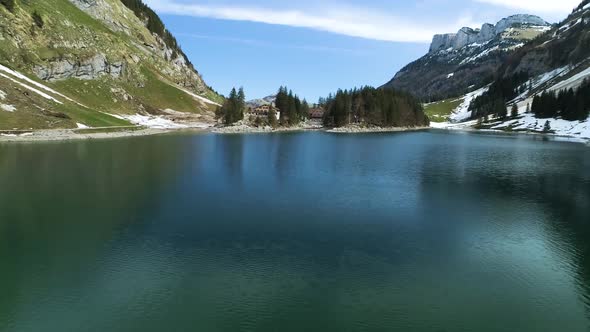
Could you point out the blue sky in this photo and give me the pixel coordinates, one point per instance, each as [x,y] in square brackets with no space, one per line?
[316,47]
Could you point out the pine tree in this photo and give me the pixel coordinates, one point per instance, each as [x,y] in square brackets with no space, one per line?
[291,109]
[547,127]
[304,109]
[232,110]
[241,104]
[272,116]
[514,111]
[502,111]
[282,103]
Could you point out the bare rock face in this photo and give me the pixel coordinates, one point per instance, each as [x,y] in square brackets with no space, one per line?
[467,36]
[442,42]
[464,37]
[487,32]
[84,3]
[104,11]
[120,19]
[87,69]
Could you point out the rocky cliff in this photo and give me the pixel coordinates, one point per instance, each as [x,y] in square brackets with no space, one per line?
[459,61]
[488,32]
[100,53]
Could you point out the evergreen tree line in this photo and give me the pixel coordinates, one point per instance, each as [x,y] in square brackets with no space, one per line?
[568,104]
[292,109]
[493,102]
[233,107]
[9,4]
[154,25]
[379,107]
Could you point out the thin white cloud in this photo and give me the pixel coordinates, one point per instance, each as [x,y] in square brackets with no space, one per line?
[349,21]
[264,43]
[545,6]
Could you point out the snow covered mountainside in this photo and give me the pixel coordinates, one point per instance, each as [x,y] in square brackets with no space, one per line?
[466,59]
[555,66]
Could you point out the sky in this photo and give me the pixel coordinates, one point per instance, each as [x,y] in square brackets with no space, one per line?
[317,47]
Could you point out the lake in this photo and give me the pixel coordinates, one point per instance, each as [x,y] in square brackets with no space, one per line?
[424,231]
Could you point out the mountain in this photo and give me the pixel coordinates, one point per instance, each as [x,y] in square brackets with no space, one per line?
[262,101]
[458,61]
[545,84]
[93,63]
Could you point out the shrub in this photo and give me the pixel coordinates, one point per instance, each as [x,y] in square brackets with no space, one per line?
[38,20]
[9,4]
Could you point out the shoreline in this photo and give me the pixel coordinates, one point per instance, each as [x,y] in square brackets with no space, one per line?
[62,135]
[366,130]
[260,130]
[465,127]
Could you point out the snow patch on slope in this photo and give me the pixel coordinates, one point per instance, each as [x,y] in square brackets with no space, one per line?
[480,55]
[42,94]
[34,83]
[2,95]
[559,127]
[462,113]
[541,80]
[572,82]
[150,121]
[194,95]
[7,108]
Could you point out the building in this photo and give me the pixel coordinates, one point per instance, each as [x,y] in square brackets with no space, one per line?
[263,110]
[316,113]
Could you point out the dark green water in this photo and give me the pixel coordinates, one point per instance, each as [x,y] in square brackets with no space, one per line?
[426,231]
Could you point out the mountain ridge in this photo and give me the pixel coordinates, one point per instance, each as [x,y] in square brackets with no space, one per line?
[468,59]
[540,87]
[467,35]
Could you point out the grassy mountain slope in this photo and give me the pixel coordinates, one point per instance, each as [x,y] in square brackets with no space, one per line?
[98,53]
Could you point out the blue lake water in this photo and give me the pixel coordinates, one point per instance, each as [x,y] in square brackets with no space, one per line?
[424,231]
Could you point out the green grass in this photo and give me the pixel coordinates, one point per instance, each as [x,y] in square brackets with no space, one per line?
[441,110]
[523,34]
[95,94]
[91,117]
[29,112]
[214,97]
[162,95]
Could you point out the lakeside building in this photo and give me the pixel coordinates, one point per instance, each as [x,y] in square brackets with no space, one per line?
[263,110]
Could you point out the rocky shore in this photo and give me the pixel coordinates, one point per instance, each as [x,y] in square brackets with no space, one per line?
[356,129]
[243,127]
[73,134]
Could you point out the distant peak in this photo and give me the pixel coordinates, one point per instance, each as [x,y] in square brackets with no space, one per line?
[467,35]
